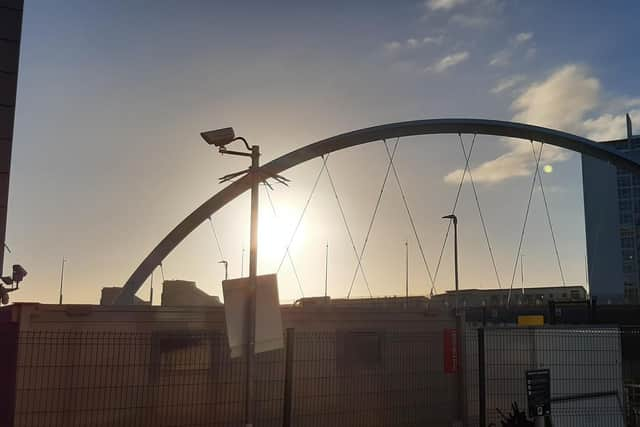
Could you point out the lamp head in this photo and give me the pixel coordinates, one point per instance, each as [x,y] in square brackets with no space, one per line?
[219,137]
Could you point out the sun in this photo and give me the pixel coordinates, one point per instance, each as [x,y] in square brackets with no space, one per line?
[275,231]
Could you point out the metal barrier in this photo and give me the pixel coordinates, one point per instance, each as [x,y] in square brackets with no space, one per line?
[354,378]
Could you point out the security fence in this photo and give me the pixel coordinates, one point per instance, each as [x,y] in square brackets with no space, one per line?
[585,365]
[354,378]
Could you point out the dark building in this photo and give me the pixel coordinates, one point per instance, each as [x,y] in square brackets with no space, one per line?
[10,29]
[612,223]
[498,297]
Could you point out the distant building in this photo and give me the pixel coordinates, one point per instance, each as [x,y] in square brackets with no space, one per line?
[499,297]
[612,225]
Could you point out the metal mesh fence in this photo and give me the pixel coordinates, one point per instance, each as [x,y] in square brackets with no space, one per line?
[585,364]
[355,378]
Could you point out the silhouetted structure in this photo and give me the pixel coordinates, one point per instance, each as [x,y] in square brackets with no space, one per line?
[10,30]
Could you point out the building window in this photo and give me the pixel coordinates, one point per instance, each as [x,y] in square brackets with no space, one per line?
[625,205]
[627,242]
[624,181]
[626,218]
[624,193]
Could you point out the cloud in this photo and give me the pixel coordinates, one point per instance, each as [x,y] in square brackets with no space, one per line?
[500,59]
[443,4]
[413,43]
[507,83]
[470,21]
[564,100]
[523,37]
[448,62]
[610,126]
[561,101]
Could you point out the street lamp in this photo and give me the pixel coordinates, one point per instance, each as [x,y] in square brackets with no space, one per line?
[454,218]
[221,138]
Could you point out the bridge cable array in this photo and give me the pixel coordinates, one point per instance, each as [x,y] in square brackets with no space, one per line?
[346,224]
[482,221]
[553,235]
[373,216]
[411,221]
[304,210]
[215,236]
[267,190]
[526,216]
[455,204]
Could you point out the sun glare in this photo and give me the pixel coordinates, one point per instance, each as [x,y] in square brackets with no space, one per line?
[275,232]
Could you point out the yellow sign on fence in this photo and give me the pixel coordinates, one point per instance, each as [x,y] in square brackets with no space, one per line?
[534,320]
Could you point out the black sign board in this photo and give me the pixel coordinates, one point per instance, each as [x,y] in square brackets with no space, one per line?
[539,392]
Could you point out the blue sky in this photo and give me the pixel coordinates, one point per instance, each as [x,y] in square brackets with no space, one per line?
[112,97]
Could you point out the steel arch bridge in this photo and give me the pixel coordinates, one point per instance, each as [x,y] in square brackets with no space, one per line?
[521,131]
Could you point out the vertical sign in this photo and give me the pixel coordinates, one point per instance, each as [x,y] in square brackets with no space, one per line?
[450,346]
[539,392]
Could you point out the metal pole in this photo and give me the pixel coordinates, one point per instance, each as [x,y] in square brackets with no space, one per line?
[151,290]
[326,268]
[482,397]
[253,272]
[406,271]
[287,416]
[61,279]
[455,254]
[242,264]
[522,273]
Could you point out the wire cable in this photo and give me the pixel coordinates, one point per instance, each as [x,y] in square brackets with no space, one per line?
[373,216]
[215,236]
[162,272]
[484,226]
[287,252]
[413,225]
[524,225]
[453,209]
[546,207]
[304,210]
[346,224]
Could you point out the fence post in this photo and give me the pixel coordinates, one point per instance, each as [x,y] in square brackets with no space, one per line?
[288,378]
[482,398]
[8,368]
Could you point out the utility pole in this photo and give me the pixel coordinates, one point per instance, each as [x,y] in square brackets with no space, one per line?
[61,279]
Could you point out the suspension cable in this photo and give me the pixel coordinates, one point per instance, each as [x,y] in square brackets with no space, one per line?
[524,225]
[413,225]
[453,209]
[287,253]
[373,216]
[162,272]
[484,226]
[346,224]
[304,210]
[546,207]
[215,236]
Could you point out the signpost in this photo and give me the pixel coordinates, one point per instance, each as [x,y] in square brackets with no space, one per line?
[539,394]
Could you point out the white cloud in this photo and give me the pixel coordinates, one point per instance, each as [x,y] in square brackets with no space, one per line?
[470,21]
[561,101]
[500,59]
[413,43]
[448,62]
[523,37]
[507,83]
[610,126]
[443,4]
[564,100]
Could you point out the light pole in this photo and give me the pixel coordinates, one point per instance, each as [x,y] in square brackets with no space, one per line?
[61,279]
[221,138]
[455,250]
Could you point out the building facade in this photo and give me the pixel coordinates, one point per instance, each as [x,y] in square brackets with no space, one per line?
[612,225]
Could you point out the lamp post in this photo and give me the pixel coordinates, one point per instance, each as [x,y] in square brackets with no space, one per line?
[455,250]
[221,138]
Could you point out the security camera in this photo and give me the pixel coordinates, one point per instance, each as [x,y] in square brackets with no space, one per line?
[18,273]
[219,137]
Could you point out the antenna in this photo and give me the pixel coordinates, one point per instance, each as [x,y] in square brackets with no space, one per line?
[326,268]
